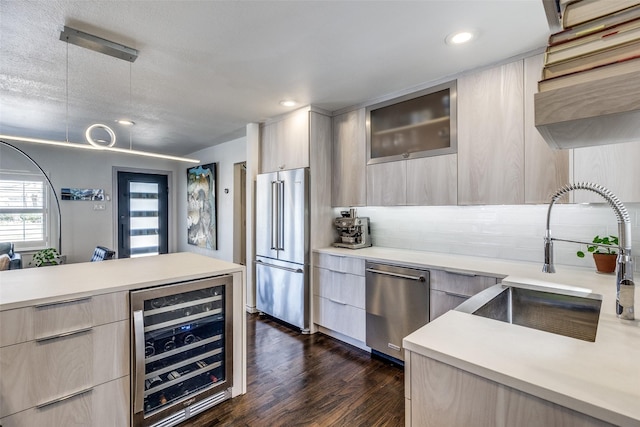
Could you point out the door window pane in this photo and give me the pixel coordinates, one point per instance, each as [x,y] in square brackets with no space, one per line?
[144,211]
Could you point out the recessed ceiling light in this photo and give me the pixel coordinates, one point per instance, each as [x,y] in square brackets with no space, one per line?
[460,37]
[126,122]
[288,103]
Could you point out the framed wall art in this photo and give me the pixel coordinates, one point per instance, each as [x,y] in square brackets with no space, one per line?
[92,194]
[201,206]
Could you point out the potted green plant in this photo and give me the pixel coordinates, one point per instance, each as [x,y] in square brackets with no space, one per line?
[604,257]
[48,256]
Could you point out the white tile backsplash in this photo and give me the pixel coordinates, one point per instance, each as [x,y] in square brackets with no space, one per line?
[507,231]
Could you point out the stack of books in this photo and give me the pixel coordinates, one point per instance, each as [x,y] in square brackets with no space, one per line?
[599,39]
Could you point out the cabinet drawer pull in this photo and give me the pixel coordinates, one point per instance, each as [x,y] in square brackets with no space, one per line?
[65,334]
[67,301]
[453,294]
[461,273]
[62,399]
[337,302]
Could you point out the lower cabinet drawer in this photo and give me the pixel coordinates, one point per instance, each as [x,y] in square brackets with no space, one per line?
[440,302]
[341,287]
[40,372]
[340,317]
[106,405]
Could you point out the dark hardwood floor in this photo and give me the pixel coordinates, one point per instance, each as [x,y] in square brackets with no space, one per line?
[309,380]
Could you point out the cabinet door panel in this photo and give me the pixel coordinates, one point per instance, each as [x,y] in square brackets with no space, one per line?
[341,318]
[387,184]
[62,366]
[349,185]
[111,351]
[16,326]
[341,287]
[339,263]
[491,136]
[614,166]
[63,317]
[432,181]
[545,169]
[440,302]
[459,284]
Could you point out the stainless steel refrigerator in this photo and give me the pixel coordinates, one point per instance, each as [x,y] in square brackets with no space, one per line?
[282,246]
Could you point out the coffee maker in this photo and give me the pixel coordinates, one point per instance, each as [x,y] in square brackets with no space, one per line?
[353,231]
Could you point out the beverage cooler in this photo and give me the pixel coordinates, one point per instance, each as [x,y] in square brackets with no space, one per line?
[181,350]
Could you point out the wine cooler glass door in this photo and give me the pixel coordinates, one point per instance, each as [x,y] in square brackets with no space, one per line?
[182,345]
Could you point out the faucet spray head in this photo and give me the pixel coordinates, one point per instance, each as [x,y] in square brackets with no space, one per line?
[548,267]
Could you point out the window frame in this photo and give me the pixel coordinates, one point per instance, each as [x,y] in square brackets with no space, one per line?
[26,176]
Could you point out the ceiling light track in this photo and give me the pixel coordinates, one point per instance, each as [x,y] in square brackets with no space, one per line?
[88,41]
[98,148]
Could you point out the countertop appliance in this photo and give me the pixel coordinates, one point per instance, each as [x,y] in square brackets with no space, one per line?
[282,246]
[181,350]
[354,232]
[397,304]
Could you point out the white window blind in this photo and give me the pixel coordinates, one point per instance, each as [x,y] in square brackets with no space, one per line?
[23,209]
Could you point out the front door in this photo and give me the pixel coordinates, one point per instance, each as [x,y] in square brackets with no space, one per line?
[143,210]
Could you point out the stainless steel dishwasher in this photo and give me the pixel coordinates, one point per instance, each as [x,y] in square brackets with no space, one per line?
[397,303]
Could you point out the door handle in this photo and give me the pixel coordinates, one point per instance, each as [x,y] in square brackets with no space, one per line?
[293,270]
[138,379]
[420,278]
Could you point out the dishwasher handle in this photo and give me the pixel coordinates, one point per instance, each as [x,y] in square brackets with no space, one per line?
[419,278]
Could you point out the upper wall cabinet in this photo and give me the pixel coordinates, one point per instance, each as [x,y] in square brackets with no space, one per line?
[417,125]
[545,169]
[598,112]
[491,136]
[349,185]
[284,143]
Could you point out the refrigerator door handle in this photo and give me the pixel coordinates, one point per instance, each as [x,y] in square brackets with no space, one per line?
[138,380]
[280,215]
[275,206]
[293,270]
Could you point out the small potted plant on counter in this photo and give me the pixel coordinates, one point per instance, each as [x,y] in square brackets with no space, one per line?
[44,257]
[605,258]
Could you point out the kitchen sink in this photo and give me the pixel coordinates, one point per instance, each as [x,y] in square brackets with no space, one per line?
[565,312]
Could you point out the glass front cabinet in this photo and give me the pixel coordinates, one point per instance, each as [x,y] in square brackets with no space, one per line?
[417,125]
[181,350]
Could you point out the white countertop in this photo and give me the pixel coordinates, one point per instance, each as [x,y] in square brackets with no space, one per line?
[601,378]
[29,286]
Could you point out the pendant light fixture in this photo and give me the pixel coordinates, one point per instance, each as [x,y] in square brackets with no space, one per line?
[107,47]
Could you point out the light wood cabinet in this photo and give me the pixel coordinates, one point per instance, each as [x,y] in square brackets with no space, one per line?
[432,181]
[349,185]
[339,296]
[284,143]
[491,136]
[449,290]
[437,394]
[106,405]
[545,169]
[613,166]
[54,363]
[387,184]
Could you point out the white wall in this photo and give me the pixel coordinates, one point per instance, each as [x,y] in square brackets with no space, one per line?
[82,227]
[225,155]
[509,232]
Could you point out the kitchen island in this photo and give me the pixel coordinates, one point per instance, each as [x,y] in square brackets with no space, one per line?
[64,336]
[462,369]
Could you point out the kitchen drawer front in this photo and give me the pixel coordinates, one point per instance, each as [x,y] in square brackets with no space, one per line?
[62,317]
[106,405]
[440,302]
[343,264]
[111,352]
[38,372]
[342,318]
[111,307]
[458,283]
[16,326]
[343,288]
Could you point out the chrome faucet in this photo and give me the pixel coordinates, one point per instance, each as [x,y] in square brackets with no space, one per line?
[624,280]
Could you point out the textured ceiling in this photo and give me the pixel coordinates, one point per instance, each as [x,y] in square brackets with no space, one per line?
[207,68]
